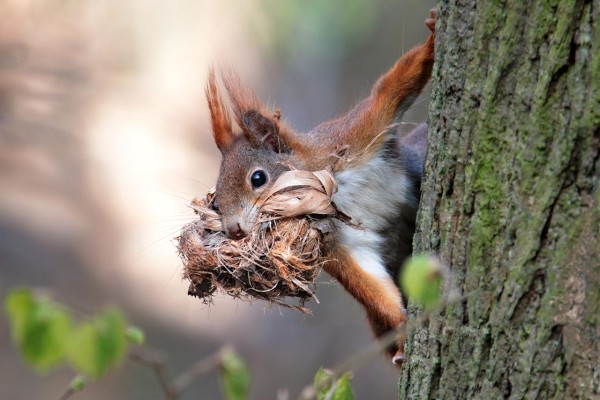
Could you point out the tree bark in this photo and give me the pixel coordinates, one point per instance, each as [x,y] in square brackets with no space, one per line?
[511,204]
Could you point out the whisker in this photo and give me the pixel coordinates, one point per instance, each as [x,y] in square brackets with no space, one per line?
[201,182]
[171,235]
[168,282]
[180,197]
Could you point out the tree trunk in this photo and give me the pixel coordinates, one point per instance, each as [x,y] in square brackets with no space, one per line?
[511,204]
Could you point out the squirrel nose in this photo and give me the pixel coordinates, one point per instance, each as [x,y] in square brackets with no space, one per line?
[236,232]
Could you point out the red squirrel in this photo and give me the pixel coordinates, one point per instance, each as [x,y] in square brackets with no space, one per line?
[378,172]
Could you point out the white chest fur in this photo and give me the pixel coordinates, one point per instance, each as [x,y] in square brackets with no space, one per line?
[371,195]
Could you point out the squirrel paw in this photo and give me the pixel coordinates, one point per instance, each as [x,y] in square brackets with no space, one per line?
[430,22]
[398,358]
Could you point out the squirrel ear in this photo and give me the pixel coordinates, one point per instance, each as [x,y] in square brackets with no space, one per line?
[219,117]
[250,114]
[262,131]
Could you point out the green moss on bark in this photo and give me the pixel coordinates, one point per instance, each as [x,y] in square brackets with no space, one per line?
[511,202]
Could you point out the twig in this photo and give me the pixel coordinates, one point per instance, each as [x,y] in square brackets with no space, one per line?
[356,360]
[174,389]
[70,392]
[375,348]
[199,368]
[157,364]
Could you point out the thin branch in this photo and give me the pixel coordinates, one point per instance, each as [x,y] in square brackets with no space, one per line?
[376,347]
[157,364]
[199,368]
[356,360]
[174,389]
[76,385]
[70,392]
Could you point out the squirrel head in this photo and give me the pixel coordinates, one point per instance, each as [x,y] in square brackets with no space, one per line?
[253,157]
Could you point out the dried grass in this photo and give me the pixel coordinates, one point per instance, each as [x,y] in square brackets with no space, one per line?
[282,255]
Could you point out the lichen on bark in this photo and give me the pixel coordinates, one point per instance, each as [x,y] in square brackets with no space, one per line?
[511,203]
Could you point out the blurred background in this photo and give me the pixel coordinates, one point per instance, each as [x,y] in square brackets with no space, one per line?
[104,140]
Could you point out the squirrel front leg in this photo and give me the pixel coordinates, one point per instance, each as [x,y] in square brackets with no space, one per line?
[393,93]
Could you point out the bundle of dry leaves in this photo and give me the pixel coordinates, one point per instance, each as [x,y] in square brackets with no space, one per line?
[280,257]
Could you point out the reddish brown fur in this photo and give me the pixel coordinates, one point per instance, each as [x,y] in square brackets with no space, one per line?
[242,98]
[380,298]
[357,133]
[242,101]
[359,129]
[219,117]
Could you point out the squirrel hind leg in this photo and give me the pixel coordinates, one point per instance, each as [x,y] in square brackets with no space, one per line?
[379,295]
[395,351]
[398,357]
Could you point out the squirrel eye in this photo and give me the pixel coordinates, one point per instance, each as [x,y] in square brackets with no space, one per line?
[258,178]
[215,204]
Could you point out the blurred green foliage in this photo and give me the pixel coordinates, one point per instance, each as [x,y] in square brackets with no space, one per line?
[39,328]
[328,388]
[421,280]
[78,383]
[135,335]
[98,345]
[235,376]
[44,333]
[317,26]
[46,337]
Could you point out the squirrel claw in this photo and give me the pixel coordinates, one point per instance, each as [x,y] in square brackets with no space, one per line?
[430,22]
[398,358]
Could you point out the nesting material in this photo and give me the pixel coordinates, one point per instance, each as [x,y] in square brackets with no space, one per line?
[282,255]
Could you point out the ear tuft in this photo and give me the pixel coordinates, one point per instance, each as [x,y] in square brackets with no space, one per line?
[251,116]
[242,98]
[219,117]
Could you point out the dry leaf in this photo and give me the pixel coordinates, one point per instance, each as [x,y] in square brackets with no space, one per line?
[280,257]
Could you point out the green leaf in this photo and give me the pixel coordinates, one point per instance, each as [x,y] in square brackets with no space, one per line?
[421,280]
[83,350]
[235,377]
[39,328]
[343,390]
[135,335]
[19,307]
[99,345]
[78,383]
[322,382]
